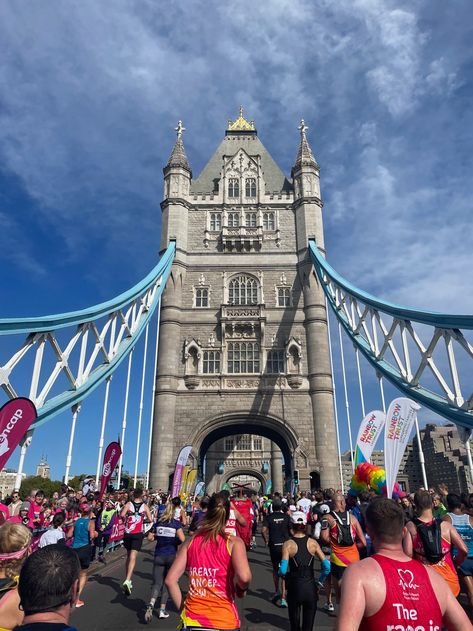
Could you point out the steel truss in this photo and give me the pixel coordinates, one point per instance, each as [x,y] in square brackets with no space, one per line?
[424,354]
[67,356]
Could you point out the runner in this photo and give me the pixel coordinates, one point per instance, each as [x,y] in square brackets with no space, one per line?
[323,510]
[15,541]
[55,534]
[105,521]
[134,513]
[234,515]
[169,534]
[391,591]
[83,532]
[298,555]
[275,532]
[463,523]
[199,515]
[218,570]
[430,541]
[341,532]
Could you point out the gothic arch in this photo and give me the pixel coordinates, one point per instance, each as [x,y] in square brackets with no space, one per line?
[234,473]
[274,428]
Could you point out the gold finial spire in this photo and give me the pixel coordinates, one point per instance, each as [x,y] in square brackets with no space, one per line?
[241,124]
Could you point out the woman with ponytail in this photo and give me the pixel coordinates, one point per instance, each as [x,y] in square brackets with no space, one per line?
[169,535]
[15,540]
[218,570]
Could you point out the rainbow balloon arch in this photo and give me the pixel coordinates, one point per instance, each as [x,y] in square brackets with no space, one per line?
[369,477]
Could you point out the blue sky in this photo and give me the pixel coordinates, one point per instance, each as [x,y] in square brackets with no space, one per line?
[90,94]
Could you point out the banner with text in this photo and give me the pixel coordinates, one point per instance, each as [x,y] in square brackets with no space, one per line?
[185,473]
[369,432]
[178,471]
[400,419]
[15,418]
[200,489]
[110,460]
[191,476]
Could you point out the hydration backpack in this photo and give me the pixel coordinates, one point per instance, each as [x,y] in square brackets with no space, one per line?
[345,535]
[431,537]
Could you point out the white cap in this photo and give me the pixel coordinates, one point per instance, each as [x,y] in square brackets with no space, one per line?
[299,518]
[324,508]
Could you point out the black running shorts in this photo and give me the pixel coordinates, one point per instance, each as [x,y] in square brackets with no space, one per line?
[133,542]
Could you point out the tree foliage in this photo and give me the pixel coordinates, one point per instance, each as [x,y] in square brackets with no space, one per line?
[37,482]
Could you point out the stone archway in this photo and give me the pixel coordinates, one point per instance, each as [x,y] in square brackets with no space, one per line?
[257,475]
[275,429]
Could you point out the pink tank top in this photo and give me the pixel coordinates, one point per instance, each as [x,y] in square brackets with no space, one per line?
[210,601]
[410,601]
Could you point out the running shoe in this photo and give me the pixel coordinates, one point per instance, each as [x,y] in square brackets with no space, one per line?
[149,613]
[80,603]
[163,613]
[127,587]
[276,597]
[283,603]
[329,607]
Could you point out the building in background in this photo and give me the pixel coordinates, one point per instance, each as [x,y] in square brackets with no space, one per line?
[7,481]
[43,469]
[446,461]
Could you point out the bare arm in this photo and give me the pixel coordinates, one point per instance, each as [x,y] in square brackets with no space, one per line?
[124,511]
[315,550]
[174,574]
[92,532]
[325,532]
[239,517]
[265,534]
[407,541]
[149,517]
[352,601]
[359,532]
[454,616]
[457,541]
[180,535]
[241,566]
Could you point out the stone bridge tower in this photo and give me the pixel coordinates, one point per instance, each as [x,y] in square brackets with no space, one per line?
[243,343]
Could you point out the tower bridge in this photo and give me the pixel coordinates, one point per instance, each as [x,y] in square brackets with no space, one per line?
[243,360]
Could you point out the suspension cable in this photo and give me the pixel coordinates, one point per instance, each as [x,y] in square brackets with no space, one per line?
[153,393]
[360,383]
[347,403]
[145,354]
[125,410]
[337,429]
[102,430]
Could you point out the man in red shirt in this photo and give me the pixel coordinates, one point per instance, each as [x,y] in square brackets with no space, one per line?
[392,591]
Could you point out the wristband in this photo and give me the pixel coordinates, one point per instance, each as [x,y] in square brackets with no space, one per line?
[283,567]
[325,571]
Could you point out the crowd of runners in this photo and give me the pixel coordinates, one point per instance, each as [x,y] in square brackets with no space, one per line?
[373,563]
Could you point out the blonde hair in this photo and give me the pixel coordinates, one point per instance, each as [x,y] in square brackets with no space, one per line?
[13,538]
[168,513]
[213,524]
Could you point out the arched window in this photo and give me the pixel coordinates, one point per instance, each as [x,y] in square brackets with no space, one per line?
[233,220]
[243,290]
[250,220]
[243,357]
[215,221]
[233,187]
[269,222]
[250,187]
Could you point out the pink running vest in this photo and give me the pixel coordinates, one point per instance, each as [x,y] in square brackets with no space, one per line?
[410,603]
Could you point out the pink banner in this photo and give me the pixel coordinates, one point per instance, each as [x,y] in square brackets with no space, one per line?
[180,464]
[16,417]
[110,461]
[118,530]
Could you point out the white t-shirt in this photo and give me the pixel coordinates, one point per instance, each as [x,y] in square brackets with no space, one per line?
[304,505]
[51,536]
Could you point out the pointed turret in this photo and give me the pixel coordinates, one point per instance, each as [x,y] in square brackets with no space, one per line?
[305,172]
[178,157]
[304,154]
[177,172]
